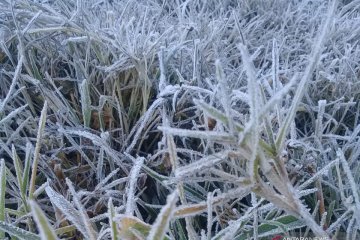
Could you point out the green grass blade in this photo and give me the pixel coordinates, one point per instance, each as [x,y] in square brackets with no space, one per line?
[111,212]
[37,150]
[46,230]
[18,170]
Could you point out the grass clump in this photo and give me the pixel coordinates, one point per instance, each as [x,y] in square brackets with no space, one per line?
[179,119]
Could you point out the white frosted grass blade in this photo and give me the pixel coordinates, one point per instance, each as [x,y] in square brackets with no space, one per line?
[25,176]
[201,165]
[111,214]
[225,93]
[45,229]
[350,229]
[18,232]
[215,113]
[31,22]
[253,89]
[78,148]
[302,87]
[40,189]
[96,140]
[323,171]
[229,231]
[278,96]
[100,164]
[239,95]
[195,60]
[162,80]
[198,208]
[85,102]
[19,172]
[172,152]
[198,89]
[170,145]
[323,219]
[161,224]
[12,114]
[253,125]
[90,232]
[37,149]
[169,90]
[13,84]
[142,123]
[67,209]
[275,67]
[353,186]
[115,183]
[2,194]
[80,39]
[319,121]
[209,224]
[340,220]
[130,190]
[102,183]
[210,135]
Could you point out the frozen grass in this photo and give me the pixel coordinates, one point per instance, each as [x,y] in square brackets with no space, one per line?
[179,119]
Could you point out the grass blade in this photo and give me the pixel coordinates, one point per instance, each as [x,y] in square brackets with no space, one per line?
[161,224]
[111,212]
[133,228]
[18,232]
[46,230]
[37,150]
[85,102]
[301,89]
[90,231]
[67,209]
[25,176]
[130,190]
